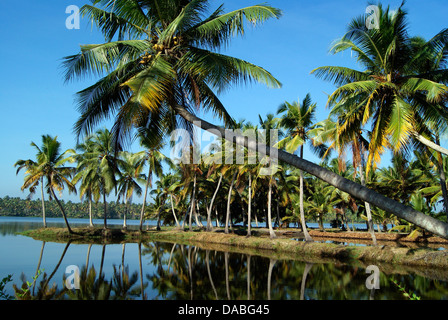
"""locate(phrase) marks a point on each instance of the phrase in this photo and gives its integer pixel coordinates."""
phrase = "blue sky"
(34, 99)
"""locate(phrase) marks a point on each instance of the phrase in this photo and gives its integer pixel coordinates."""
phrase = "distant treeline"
(17, 207)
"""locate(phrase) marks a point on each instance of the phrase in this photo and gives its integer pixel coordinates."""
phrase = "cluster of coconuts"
(158, 48)
(146, 59)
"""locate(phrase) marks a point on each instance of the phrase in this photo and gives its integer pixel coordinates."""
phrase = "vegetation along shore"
(166, 70)
(289, 244)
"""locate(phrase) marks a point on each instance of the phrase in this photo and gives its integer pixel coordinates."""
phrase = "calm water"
(166, 271)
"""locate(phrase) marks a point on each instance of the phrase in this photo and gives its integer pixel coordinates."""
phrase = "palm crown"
(392, 93)
(164, 57)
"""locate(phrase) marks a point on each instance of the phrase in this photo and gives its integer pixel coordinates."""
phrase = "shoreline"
(283, 246)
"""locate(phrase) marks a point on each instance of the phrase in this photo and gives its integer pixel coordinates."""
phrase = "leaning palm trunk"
(210, 208)
(356, 190)
(62, 210)
(430, 144)
(174, 212)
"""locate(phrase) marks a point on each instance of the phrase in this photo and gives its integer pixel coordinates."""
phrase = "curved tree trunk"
(210, 208)
(63, 211)
(356, 190)
(174, 212)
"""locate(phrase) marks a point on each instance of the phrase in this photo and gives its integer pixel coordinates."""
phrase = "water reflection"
(184, 272)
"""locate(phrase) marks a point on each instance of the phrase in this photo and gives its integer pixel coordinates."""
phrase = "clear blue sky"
(34, 99)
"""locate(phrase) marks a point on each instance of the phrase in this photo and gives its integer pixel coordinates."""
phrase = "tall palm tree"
(104, 164)
(30, 166)
(128, 181)
(88, 174)
(297, 119)
(390, 93)
(154, 159)
(50, 166)
(173, 68)
(168, 62)
(340, 138)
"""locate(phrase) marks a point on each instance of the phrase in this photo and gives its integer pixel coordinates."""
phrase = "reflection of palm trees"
(271, 266)
(43, 291)
(183, 272)
(308, 267)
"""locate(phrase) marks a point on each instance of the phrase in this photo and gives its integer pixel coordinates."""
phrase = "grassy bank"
(284, 246)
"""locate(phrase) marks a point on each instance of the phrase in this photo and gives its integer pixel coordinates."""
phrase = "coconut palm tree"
(103, 164)
(169, 65)
(168, 61)
(340, 138)
(297, 119)
(390, 93)
(88, 174)
(50, 167)
(30, 166)
(128, 181)
(154, 159)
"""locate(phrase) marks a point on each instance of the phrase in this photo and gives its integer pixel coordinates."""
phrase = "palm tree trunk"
(431, 144)
(90, 211)
(193, 199)
(271, 231)
(367, 206)
(142, 212)
(249, 207)
(158, 214)
(63, 211)
(174, 212)
(442, 179)
(302, 211)
(105, 210)
(356, 190)
(210, 208)
(43, 203)
(229, 198)
(125, 226)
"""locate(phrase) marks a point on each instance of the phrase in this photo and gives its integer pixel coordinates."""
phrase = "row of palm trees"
(196, 191)
(160, 63)
(96, 167)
